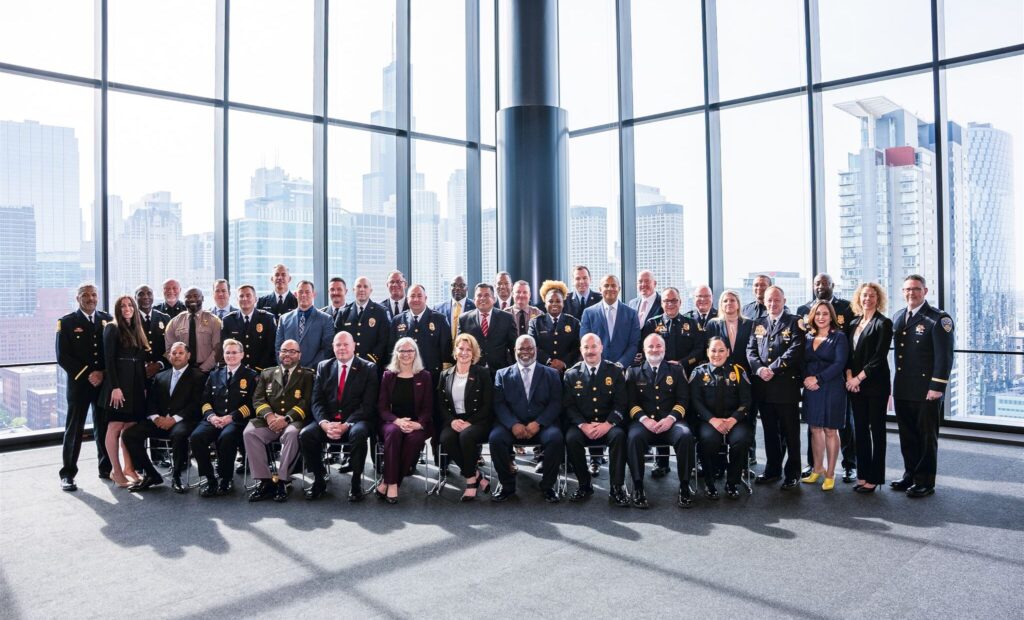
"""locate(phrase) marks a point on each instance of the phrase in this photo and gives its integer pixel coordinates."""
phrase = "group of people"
(580, 372)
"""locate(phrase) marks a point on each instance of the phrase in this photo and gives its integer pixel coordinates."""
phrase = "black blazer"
(496, 349)
(358, 401)
(872, 354)
(270, 304)
(737, 353)
(479, 396)
(574, 308)
(187, 397)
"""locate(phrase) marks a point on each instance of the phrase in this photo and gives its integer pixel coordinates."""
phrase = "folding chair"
(163, 445)
(561, 481)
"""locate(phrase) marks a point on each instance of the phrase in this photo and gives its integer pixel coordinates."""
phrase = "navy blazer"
(511, 404)
(622, 348)
(556, 340)
(575, 308)
(924, 352)
(155, 328)
(259, 342)
(358, 401)
(422, 394)
(269, 303)
(737, 350)
(389, 311)
(782, 351)
(316, 342)
(446, 309)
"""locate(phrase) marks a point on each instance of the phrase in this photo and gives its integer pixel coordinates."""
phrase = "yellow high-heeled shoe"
(811, 479)
(829, 484)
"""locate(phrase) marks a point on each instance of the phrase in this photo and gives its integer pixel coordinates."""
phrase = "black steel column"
(533, 193)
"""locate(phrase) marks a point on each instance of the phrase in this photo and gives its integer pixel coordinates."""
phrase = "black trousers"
(135, 441)
(869, 423)
(638, 439)
(918, 421)
(464, 448)
(576, 443)
(81, 396)
(847, 441)
(550, 439)
(312, 440)
(781, 421)
(227, 440)
(711, 440)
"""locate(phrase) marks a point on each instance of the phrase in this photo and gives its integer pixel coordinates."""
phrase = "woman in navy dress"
(824, 389)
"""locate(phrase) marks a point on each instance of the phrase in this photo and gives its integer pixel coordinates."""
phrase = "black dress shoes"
(765, 479)
(595, 468)
(356, 494)
(640, 499)
(209, 488)
(731, 491)
(263, 490)
(318, 489)
(581, 494)
(710, 490)
(807, 471)
(240, 470)
(68, 484)
(503, 493)
(550, 496)
(660, 471)
(345, 466)
(901, 485)
(146, 482)
(226, 486)
(176, 485)
(790, 483)
(281, 492)
(685, 497)
(849, 475)
(104, 475)
(919, 490)
(618, 497)
(860, 488)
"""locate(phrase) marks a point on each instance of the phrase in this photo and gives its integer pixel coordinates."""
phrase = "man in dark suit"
(703, 306)
(595, 402)
(824, 289)
(345, 410)
(368, 324)
(80, 354)
(756, 309)
(502, 290)
(396, 303)
(615, 323)
(309, 327)
(172, 305)
(227, 406)
(527, 408)
(647, 303)
(456, 305)
(172, 405)
(256, 329)
(222, 300)
(582, 297)
(281, 300)
(494, 330)
(775, 353)
(154, 323)
(923, 337)
(658, 395)
(337, 289)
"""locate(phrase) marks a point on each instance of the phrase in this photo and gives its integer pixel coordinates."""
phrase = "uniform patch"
(243, 384)
(430, 326)
(760, 331)
(686, 327)
(259, 328)
(801, 324)
(104, 323)
(947, 324)
(608, 381)
(371, 322)
(661, 329)
(707, 378)
(568, 329)
(161, 324)
(298, 393)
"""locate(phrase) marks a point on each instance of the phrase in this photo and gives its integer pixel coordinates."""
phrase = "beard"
(655, 360)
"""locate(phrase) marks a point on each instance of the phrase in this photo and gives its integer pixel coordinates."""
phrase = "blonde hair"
(417, 364)
(553, 285)
(879, 292)
(464, 337)
(730, 293)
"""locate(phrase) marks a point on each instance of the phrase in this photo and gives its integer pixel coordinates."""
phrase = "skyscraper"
(17, 261)
(149, 248)
(659, 233)
(588, 239)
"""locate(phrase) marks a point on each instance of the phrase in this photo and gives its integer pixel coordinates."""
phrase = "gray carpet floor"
(104, 552)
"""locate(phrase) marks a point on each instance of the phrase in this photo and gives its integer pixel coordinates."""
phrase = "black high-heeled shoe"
(466, 497)
(377, 493)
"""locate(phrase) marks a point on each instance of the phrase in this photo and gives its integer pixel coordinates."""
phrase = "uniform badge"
(608, 381)
(372, 322)
(920, 328)
(401, 326)
(579, 385)
(430, 326)
(686, 327)
(760, 331)
(243, 384)
(947, 324)
(259, 328)
(568, 329)
(161, 324)
(707, 378)
(668, 380)
(298, 393)
(661, 328)
(840, 319)
(79, 330)
(786, 333)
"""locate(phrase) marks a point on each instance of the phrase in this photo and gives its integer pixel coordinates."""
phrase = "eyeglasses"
(289, 351)
(913, 289)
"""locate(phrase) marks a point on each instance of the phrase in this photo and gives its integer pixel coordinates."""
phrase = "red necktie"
(483, 324)
(341, 384)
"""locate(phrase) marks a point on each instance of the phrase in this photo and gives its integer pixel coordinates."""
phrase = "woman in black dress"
(126, 350)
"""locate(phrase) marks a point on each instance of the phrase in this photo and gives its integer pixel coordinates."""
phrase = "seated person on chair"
(658, 396)
(595, 401)
(527, 404)
(344, 408)
(406, 407)
(172, 407)
(465, 392)
(720, 396)
(227, 406)
(283, 407)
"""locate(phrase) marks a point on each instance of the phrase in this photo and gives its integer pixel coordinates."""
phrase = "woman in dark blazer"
(868, 382)
(405, 403)
(557, 333)
(464, 395)
(123, 395)
(732, 327)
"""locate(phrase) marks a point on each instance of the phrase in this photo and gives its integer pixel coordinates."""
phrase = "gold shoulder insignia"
(58, 324)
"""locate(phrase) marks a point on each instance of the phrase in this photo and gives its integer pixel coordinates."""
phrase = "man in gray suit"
(309, 327)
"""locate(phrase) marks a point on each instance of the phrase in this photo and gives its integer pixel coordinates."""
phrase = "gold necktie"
(455, 320)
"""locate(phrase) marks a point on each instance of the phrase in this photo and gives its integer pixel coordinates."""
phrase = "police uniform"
(271, 304)
(257, 339)
(155, 326)
(522, 325)
(79, 347)
(433, 336)
(370, 329)
(574, 305)
(780, 348)
(291, 398)
(924, 360)
(656, 397)
(169, 310)
(722, 392)
(684, 340)
(702, 319)
(557, 339)
(223, 397)
(598, 396)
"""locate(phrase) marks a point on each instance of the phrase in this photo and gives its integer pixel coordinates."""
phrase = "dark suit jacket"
(433, 336)
(653, 311)
(422, 393)
(575, 308)
(844, 313)
(924, 352)
(702, 323)
(782, 351)
(155, 328)
(737, 352)
(496, 350)
(389, 310)
(170, 311)
(234, 398)
(479, 397)
(871, 354)
(602, 399)
(684, 341)
(187, 397)
(556, 342)
(512, 405)
(258, 341)
(446, 308)
(358, 401)
(270, 304)
(371, 330)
